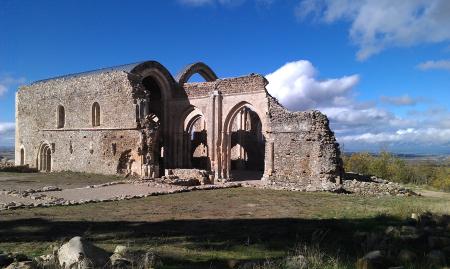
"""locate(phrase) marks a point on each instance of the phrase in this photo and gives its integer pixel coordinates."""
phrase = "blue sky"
(380, 69)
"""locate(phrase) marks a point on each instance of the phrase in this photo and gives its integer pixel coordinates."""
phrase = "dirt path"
(434, 194)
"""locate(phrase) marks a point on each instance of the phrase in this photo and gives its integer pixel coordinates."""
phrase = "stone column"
(214, 121)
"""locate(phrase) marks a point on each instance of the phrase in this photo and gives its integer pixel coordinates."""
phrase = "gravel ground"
(94, 193)
(5, 198)
(109, 192)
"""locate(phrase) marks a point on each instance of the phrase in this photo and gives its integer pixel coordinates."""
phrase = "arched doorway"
(45, 158)
(197, 143)
(244, 144)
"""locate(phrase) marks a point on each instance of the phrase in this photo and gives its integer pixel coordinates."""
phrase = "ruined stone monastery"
(139, 120)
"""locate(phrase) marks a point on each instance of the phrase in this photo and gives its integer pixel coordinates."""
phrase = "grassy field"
(213, 229)
(23, 181)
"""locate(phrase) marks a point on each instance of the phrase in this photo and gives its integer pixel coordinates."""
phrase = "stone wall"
(78, 146)
(304, 149)
(238, 85)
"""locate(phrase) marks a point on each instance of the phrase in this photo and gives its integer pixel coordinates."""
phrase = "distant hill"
(7, 152)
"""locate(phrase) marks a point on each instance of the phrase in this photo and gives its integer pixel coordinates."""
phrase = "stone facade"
(139, 120)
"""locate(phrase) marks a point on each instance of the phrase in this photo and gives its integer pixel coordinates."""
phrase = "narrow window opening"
(61, 117)
(95, 114)
(22, 157)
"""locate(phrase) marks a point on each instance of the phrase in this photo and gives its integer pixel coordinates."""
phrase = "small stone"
(296, 262)
(406, 256)
(372, 260)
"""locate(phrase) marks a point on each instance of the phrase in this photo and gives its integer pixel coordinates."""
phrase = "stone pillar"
(214, 138)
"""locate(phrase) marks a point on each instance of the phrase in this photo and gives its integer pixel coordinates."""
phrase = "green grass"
(211, 229)
(23, 181)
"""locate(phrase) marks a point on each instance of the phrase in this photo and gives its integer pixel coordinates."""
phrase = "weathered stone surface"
(121, 257)
(365, 185)
(47, 261)
(202, 176)
(81, 254)
(22, 265)
(305, 151)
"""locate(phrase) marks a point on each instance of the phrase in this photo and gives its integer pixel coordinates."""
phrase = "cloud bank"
(430, 65)
(359, 125)
(380, 24)
(404, 100)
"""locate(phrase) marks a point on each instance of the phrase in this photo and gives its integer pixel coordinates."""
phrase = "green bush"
(389, 167)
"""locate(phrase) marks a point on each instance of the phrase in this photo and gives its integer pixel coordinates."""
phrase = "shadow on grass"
(240, 239)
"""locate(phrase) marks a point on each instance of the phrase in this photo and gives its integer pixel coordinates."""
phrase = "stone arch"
(157, 71)
(194, 139)
(44, 158)
(196, 68)
(153, 73)
(229, 142)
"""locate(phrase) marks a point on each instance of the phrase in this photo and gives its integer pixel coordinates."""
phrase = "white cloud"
(380, 24)
(440, 64)
(7, 130)
(296, 86)
(427, 136)
(404, 100)
(7, 81)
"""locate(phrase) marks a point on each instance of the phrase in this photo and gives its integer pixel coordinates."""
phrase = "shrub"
(387, 166)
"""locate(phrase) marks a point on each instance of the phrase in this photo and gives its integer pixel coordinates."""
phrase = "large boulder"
(121, 258)
(81, 254)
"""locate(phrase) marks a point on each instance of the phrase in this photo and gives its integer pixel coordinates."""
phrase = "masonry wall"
(305, 152)
(78, 146)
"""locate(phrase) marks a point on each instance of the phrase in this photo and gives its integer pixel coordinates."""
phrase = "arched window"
(95, 114)
(22, 156)
(61, 117)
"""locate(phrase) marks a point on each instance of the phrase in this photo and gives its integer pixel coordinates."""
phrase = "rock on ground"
(79, 253)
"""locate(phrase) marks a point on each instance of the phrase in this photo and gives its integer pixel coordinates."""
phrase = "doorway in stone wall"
(246, 145)
(153, 106)
(198, 145)
(45, 158)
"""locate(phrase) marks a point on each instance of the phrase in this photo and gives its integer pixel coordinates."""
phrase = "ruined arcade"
(139, 120)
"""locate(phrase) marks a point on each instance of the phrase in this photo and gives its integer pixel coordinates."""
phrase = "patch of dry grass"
(23, 181)
(213, 228)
